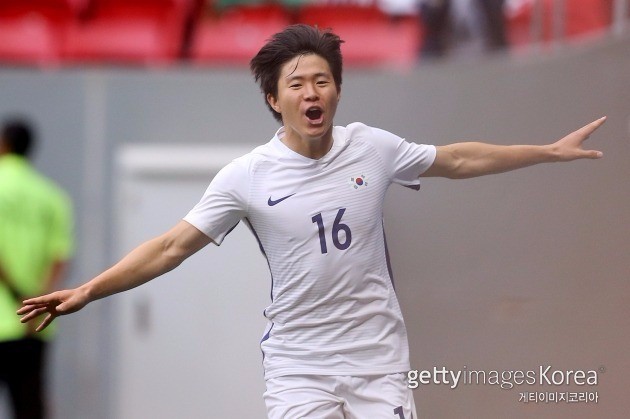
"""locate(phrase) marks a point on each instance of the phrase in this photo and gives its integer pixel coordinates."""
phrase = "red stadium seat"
(31, 31)
(518, 24)
(333, 14)
(583, 17)
(29, 40)
(236, 36)
(178, 9)
(50, 9)
(370, 37)
(130, 31)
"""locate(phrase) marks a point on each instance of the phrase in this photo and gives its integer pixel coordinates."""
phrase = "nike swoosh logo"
(272, 202)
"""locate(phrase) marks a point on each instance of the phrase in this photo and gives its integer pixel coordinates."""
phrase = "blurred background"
(211, 33)
(137, 104)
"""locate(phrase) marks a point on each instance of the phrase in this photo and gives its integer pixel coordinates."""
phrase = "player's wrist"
(87, 292)
(551, 153)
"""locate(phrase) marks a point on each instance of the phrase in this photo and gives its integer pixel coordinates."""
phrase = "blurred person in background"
(35, 245)
(463, 26)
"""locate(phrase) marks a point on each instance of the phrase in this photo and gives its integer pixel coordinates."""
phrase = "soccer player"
(336, 344)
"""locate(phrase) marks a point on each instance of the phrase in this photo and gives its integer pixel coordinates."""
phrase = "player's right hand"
(55, 304)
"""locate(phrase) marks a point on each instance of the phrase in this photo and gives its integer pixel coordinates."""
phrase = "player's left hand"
(570, 147)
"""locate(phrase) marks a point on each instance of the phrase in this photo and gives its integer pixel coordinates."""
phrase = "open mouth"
(314, 114)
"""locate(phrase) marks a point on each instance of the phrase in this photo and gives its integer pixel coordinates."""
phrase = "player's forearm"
(477, 159)
(148, 261)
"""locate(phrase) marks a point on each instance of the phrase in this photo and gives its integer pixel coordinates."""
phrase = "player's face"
(307, 99)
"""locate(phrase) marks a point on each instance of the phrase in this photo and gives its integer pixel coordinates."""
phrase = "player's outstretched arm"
(149, 260)
(471, 159)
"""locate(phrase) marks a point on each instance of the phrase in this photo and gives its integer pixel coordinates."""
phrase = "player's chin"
(317, 132)
(319, 124)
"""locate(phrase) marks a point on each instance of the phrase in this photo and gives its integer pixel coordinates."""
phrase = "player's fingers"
(586, 130)
(30, 307)
(39, 301)
(27, 309)
(593, 154)
(24, 309)
(32, 314)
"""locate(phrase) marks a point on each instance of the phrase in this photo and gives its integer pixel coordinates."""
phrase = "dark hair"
(17, 135)
(293, 41)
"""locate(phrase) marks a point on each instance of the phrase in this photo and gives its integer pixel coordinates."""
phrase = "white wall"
(189, 342)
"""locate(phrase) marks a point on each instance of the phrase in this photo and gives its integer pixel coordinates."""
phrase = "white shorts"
(340, 397)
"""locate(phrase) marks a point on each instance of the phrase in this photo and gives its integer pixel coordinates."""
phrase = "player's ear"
(273, 102)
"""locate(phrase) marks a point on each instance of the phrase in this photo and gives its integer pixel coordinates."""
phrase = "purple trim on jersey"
(267, 335)
(414, 187)
(260, 246)
(264, 339)
(389, 264)
(230, 230)
(262, 250)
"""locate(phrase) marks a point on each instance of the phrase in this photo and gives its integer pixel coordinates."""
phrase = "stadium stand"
(234, 37)
(32, 31)
(130, 31)
(370, 36)
(581, 18)
(161, 32)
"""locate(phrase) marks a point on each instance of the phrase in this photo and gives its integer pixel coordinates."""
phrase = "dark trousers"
(436, 20)
(21, 370)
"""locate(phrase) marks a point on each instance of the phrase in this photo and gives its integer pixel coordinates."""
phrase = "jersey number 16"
(338, 227)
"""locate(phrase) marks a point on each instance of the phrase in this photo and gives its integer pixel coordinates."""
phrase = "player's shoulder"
(248, 162)
(357, 130)
(360, 132)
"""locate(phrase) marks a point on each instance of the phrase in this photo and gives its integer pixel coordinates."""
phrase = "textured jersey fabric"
(319, 224)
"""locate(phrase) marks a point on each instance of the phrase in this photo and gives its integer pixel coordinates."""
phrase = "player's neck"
(311, 147)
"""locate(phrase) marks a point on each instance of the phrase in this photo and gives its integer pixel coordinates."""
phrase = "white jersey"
(319, 223)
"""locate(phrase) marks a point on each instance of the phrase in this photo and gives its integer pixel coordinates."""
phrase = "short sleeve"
(223, 204)
(405, 160)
